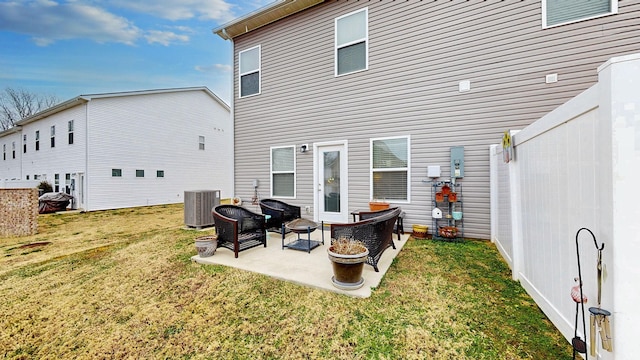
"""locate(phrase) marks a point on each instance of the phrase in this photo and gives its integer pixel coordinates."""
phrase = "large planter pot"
(378, 205)
(206, 245)
(347, 269)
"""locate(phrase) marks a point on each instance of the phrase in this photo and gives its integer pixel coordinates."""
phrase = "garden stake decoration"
(598, 316)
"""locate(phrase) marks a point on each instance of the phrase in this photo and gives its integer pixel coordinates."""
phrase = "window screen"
(249, 71)
(351, 42)
(283, 171)
(390, 168)
(563, 11)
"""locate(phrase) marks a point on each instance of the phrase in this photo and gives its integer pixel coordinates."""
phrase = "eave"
(263, 16)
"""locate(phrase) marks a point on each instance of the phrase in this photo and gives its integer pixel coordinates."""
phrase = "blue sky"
(71, 47)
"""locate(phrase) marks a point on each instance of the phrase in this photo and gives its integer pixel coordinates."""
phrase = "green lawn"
(120, 284)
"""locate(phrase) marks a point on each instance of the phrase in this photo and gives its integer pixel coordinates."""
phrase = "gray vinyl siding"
(418, 52)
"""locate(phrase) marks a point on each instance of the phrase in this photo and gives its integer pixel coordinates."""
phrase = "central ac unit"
(198, 205)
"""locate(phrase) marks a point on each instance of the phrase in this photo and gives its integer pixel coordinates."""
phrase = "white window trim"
(366, 43)
(408, 168)
(614, 10)
(249, 72)
(295, 173)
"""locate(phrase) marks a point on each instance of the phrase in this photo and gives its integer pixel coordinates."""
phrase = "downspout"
(86, 157)
(233, 118)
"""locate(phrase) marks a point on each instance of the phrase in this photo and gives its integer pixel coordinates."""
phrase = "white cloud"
(218, 10)
(214, 68)
(47, 21)
(164, 37)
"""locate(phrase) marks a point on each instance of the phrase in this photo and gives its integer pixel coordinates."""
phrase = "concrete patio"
(309, 269)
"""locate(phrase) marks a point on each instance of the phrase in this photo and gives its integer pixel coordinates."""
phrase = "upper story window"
(351, 42)
(249, 71)
(70, 129)
(4, 151)
(201, 142)
(390, 168)
(116, 172)
(160, 173)
(37, 140)
(53, 136)
(558, 12)
(139, 173)
(283, 171)
(13, 149)
(24, 143)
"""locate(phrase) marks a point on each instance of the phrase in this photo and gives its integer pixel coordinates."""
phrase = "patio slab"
(308, 269)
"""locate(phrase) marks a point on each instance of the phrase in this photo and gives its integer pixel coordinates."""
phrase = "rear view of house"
(125, 149)
(337, 103)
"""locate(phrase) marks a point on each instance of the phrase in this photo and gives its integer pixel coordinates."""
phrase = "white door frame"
(318, 183)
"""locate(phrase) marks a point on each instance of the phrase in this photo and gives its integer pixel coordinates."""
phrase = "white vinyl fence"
(578, 166)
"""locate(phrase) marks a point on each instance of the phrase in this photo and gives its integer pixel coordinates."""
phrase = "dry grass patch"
(135, 293)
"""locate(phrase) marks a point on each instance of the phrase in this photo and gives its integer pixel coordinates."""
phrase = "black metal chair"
(376, 233)
(239, 229)
(280, 213)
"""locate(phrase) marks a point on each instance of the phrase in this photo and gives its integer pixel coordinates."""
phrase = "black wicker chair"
(376, 233)
(239, 229)
(280, 212)
(399, 226)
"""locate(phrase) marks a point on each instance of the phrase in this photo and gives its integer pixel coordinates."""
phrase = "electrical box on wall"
(457, 161)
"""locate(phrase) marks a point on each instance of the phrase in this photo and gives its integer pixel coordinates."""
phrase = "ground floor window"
(283, 174)
(390, 169)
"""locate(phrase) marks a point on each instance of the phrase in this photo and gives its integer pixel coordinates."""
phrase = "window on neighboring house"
(56, 183)
(24, 143)
(249, 71)
(53, 136)
(37, 140)
(558, 12)
(4, 151)
(390, 168)
(70, 126)
(201, 142)
(27, 177)
(283, 174)
(13, 149)
(351, 42)
(139, 173)
(116, 172)
(67, 183)
(160, 173)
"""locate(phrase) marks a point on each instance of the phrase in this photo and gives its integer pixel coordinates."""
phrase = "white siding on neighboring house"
(10, 168)
(61, 159)
(419, 52)
(157, 132)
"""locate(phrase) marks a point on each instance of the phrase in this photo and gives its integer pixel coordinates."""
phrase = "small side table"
(301, 226)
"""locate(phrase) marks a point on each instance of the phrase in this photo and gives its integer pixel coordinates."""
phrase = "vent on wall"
(198, 206)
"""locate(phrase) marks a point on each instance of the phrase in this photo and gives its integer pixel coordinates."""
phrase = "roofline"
(53, 110)
(83, 99)
(157, 91)
(273, 12)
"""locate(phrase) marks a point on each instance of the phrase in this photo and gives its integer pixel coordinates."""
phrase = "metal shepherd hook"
(597, 314)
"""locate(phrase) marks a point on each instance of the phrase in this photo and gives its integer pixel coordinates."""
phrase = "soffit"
(263, 16)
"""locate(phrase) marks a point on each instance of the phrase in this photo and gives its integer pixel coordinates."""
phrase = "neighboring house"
(379, 90)
(125, 149)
